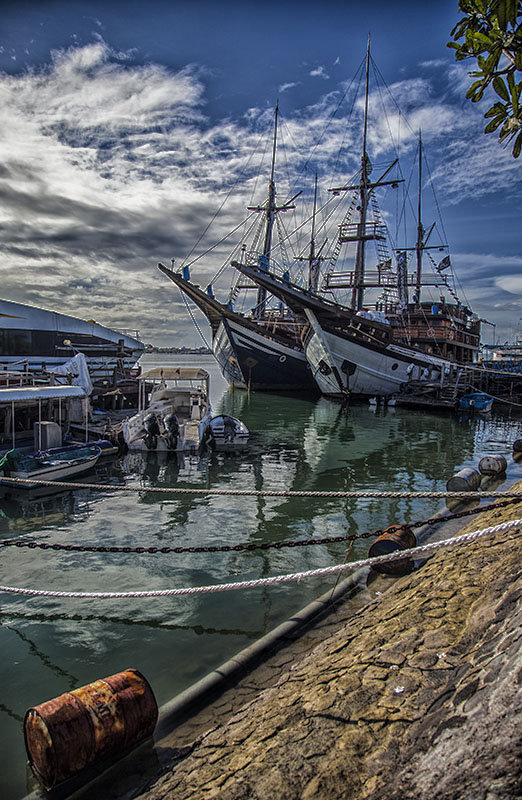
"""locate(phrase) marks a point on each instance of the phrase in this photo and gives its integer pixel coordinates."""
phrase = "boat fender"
(392, 539)
(517, 446)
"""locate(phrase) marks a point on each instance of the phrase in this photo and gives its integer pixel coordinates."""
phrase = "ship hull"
(249, 356)
(251, 360)
(342, 366)
(348, 354)
(43, 339)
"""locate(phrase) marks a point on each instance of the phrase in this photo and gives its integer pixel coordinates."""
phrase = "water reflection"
(296, 444)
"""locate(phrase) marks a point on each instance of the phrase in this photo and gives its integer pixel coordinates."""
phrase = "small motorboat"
(56, 464)
(106, 446)
(476, 401)
(227, 433)
(175, 414)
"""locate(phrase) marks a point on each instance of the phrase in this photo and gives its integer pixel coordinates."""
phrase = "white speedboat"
(174, 412)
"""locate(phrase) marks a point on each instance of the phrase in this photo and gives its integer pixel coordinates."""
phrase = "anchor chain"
(139, 550)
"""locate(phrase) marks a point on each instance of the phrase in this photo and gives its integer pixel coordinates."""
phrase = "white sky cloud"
(286, 86)
(319, 72)
(107, 168)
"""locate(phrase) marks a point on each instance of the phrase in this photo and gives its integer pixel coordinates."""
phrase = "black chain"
(81, 548)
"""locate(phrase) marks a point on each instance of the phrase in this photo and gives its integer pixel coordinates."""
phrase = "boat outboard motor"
(172, 433)
(229, 425)
(151, 425)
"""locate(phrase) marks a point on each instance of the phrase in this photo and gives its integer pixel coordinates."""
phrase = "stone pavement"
(416, 694)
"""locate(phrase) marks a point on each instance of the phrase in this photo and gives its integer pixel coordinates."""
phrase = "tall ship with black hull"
(262, 354)
(356, 350)
(262, 351)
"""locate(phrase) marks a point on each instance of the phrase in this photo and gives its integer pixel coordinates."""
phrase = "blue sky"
(126, 126)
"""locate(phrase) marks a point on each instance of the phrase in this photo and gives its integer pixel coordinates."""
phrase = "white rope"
(296, 576)
(257, 493)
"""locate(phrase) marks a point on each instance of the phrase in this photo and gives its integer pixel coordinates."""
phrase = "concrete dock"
(409, 689)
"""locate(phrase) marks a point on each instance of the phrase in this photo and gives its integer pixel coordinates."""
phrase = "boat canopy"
(174, 374)
(15, 394)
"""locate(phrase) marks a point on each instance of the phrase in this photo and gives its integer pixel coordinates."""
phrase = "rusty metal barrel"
(392, 539)
(467, 480)
(492, 465)
(99, 721)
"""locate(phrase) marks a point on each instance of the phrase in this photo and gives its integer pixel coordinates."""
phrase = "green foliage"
(491, 31)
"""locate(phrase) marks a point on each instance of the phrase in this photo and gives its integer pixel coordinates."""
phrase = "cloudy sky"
(134, 132)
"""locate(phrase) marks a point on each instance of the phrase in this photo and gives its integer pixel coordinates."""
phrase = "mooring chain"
(398, 555)
(226, 548)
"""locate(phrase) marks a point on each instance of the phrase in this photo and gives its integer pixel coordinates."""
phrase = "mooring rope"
(400, 555)
(259, 492)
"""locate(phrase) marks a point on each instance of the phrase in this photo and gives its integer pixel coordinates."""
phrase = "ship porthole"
(282, 359)
(395, 366)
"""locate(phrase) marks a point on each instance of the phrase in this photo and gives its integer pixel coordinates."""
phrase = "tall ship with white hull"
(353, 355)
(362, 351)
(43, 339)
(262, 351)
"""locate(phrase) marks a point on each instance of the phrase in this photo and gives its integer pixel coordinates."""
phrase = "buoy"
(467, 480)
(492, 465)
(101, 720)
(517, 446)
(389, 541)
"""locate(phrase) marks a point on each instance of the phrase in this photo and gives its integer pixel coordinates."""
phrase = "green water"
(50, 646)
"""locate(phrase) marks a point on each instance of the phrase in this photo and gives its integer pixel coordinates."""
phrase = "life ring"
(430, 332)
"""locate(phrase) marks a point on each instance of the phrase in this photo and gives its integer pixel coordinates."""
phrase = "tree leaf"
(502, 14)
(493, 125)
(498, 108)
(501, 88)
(517, 147)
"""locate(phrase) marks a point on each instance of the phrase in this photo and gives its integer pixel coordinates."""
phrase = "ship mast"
(358, 287)
(362, 231)
(420, 230)
(313, 262)
(270, 209)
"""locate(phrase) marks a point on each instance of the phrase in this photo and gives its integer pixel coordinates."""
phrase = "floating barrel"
(77, 729)
(492, 465)
(517, 446)
(392, 539)
(467, 480)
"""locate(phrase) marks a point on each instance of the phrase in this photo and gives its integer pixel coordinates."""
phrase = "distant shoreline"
(202, 351)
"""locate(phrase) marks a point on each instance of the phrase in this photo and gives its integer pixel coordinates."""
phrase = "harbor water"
(52, 645)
